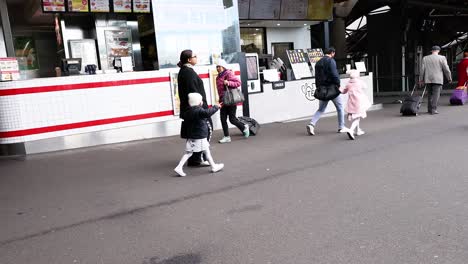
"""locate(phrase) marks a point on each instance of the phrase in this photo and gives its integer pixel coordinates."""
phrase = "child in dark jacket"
(196, 123)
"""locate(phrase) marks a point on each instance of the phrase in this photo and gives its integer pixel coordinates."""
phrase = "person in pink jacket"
(227, 80)
(358, 103)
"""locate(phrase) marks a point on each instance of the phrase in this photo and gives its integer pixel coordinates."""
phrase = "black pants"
(230, 111)
(196, 158)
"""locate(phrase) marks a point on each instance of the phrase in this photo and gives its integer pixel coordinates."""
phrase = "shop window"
(253, 40)
(208, 27)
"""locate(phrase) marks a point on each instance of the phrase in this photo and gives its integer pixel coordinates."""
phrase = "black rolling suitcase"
(412, 103)
(254, 126)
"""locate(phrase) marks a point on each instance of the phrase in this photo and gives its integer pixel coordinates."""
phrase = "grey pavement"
(395, 195)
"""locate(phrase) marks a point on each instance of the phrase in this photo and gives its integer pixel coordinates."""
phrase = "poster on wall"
(299, 63)
(295, 9)
(122, 6)
(175, 93)
(78, 6)
(100, 6)
(214, 87)
(141, 6)
(53, 5)
(9, 69)
(118, 44)
(25, 51)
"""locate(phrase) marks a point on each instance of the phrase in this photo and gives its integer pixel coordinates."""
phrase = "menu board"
(78, 6)
(264, 9)
(53, 5)
(122, 6)
(315, 55)
(294, 9)
(141, 6)
(100, 6)
(286, 9)
(299, 63)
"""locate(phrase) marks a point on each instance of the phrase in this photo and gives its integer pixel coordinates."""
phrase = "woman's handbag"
(232, 96)
(327, 92)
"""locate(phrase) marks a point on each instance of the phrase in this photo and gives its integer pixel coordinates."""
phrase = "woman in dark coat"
(189, 82)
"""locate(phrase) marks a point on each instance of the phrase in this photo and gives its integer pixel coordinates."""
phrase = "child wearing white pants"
(357, 105)
(197, 130)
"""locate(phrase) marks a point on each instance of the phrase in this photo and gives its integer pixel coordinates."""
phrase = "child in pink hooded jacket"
(358, 103)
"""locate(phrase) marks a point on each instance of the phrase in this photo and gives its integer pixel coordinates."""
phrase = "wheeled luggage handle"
(414, 88)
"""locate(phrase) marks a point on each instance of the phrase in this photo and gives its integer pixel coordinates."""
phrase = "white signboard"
(84, 49)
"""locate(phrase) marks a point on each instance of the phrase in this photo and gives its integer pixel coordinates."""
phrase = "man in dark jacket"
(326, 74)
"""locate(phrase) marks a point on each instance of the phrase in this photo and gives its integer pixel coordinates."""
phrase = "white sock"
(209, 157)
(355, 124)
(184, 159)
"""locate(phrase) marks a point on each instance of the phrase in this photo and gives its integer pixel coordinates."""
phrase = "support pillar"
(338, 40)
(7, 35)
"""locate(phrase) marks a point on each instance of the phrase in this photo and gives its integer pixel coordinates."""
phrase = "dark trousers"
(196, 157)
(230, 111)
(433, 96)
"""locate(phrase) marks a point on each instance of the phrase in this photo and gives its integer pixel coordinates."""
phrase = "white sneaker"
(360, 132)
(343, 130)
(204, 163)
(351, 135)
(246, 131)
(217, 167)
(311, 130)
(225, 140)
(180, 172)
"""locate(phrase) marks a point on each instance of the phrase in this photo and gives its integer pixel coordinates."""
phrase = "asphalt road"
(398, 194)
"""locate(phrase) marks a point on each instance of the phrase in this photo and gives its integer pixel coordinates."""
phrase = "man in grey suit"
(433, 69)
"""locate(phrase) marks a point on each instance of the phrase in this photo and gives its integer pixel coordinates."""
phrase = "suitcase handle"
(414, 89)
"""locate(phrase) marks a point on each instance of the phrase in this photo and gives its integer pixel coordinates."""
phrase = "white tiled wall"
(37, 110)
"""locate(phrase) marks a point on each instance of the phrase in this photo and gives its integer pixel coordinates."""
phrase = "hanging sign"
(100, 6)
(78, 6)
(53, 5)
(141, 6)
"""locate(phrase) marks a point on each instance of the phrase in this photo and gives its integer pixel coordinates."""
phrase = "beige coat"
(433, 69)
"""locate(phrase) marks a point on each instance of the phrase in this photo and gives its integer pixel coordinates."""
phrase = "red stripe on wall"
(41, 130)
(78, 86)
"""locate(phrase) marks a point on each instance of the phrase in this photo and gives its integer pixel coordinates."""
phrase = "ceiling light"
(257, 29)
(248, 24)
(278, 24)
(305, 24)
